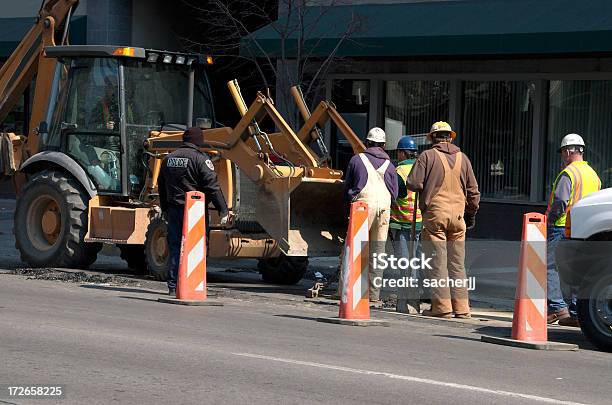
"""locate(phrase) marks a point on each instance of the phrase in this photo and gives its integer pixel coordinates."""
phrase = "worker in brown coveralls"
(449, 199)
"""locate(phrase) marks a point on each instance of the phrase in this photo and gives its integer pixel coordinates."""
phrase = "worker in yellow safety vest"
(576, 180)
(402, 215)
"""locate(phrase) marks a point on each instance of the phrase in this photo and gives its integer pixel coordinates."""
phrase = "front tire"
(156, 251)
(595, 313)
(51, 222)
(285, 270)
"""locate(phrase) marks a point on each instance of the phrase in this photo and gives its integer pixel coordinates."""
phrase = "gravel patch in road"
(72, 277)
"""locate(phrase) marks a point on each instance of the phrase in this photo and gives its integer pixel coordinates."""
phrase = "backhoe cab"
(111, 99)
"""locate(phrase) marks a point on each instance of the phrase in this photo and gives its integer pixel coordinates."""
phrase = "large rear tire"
(285, 270)
(595, 313)
(156, 252)
(51, 222)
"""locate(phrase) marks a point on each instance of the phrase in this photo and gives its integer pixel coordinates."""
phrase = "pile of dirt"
(71, 277)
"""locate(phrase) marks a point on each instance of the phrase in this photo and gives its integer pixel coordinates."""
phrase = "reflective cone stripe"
(529, 319)
(191, 283)
(355, 266)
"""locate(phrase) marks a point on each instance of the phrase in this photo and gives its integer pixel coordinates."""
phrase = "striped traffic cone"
(354, 302)
(529, 320)
(191, 282)
(529, 329)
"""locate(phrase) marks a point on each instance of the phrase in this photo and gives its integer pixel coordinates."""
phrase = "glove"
(470, 221)
(225, 219)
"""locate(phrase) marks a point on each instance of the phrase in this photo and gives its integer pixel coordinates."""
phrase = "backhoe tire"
(156, 252)
(283, 270)
(51, 222)
(595, 312)
(135, 257)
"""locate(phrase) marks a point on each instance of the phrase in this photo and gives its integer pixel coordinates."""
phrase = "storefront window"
(497, 136)
(412, 106)
(583, 107)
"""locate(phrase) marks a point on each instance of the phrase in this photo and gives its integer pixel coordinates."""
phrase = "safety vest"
(402, 209)
(584, 182)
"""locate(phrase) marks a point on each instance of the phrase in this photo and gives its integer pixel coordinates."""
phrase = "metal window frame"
(540, 118)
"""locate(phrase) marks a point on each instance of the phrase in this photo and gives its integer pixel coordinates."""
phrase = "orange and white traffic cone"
(191, 280)
(354, 302)
(529, 320)
(529, 329)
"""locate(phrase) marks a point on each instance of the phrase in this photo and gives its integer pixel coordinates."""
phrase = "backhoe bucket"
(306, 216)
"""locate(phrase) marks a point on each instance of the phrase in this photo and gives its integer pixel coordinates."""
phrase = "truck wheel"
(134, 256)
(284, 270)
(51, 223)
(595, 313)
(156, 252)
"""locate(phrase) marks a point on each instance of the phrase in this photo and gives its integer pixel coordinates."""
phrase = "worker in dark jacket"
(186, 169)
(371, 178)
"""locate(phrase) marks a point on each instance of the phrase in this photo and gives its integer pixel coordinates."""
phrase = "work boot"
(557, 316)
(408, 307)
(463, 316)
(571, 321)
(378, 304)
(172, 292)
(428, 312)
(414, 307)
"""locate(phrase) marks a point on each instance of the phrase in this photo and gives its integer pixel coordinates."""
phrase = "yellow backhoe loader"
(104, 117)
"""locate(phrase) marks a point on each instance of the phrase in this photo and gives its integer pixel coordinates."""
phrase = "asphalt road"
(116, 344)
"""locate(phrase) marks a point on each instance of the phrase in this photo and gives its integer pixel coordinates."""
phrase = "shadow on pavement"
(555, 334)
(305, 318)
(123, 289)
(139, 298)
(458, 337)
(299, 291)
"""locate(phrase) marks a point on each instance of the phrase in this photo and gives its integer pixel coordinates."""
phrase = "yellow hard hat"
(441, 126)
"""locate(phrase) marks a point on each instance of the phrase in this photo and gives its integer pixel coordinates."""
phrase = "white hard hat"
(571, 140)
(376, 135)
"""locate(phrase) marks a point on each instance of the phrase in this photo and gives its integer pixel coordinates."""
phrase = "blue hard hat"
(407, 143)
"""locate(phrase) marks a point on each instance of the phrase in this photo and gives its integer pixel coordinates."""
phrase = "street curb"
(354, 322)
(191, 303)
(550, 346)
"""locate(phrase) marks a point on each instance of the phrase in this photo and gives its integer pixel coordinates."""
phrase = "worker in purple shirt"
(372, 178)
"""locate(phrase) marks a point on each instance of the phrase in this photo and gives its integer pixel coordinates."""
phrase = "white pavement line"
(409, 378)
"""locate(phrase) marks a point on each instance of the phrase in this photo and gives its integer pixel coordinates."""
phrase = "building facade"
(121, 22)
(512, 77)
(96, 22)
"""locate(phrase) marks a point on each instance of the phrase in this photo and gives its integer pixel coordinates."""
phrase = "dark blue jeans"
(175, 236)
(400, 238)
(556, 301)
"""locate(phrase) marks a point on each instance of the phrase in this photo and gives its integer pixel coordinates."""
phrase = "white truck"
(585, 263)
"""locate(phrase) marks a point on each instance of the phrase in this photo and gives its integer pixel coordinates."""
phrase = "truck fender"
(46, 159)
(592, 214)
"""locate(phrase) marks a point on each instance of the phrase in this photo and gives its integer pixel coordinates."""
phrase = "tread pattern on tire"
(587, 326)
(73, 252)
(156, 273)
